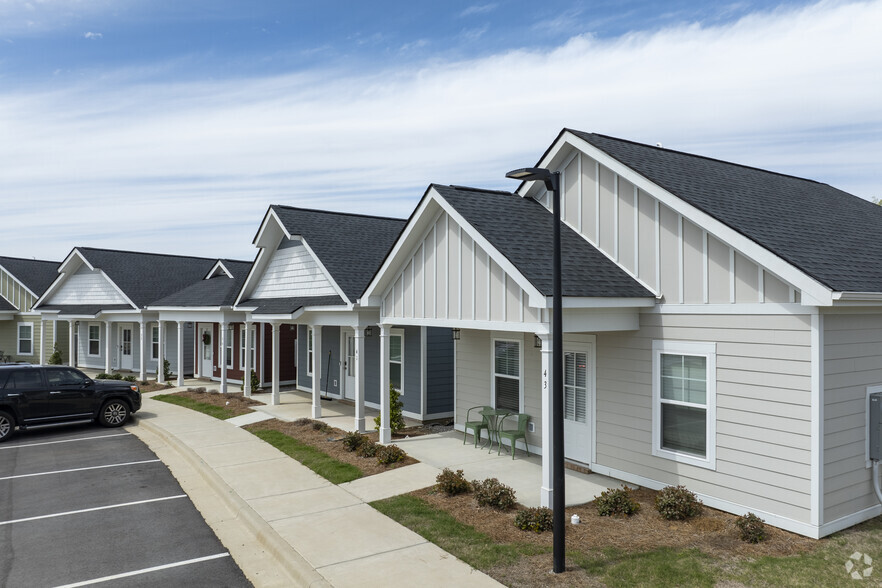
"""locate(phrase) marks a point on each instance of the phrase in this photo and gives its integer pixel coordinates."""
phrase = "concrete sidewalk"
(287, 526)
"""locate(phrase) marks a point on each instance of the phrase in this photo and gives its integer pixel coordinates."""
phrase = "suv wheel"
(114, 413)
(7, 425)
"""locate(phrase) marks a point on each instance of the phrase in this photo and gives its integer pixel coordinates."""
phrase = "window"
(25, 338)
(25, 380)
(309, 351)
(684, 402)
(229, 347)
(154, 343)
(64, 377)
(507, 375)
(396, 359)
(94, 340)
(242, 347)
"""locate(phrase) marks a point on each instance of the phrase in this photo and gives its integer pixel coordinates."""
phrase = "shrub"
(493, 493)
(255, 381)
(115, 377)
(396, 417)
(389, 454)
(101, 376)
(752, 528)
(55, 358)
(130, 378)
(367, 449)
(303, 422)
(320, 426)
(166, 370)
(676, 503)
(537, 519)
(352, 441)
(616, 501)
(452, 483)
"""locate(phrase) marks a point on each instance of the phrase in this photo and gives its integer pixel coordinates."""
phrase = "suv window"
(24, 380)
(3, 374)
(64, 377)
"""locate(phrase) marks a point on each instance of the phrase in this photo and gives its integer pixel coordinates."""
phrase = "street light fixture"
(552, 184)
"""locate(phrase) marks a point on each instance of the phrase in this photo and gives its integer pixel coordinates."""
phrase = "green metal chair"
(514, 434)
(475, 426)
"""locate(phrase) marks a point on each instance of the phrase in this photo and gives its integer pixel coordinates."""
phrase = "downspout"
(876, 480)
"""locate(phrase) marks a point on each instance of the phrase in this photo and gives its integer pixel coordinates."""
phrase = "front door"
(578, 391)
(349, 366)
(206, 365)
(126, 361)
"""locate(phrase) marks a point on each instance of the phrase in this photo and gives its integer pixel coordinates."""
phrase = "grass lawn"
(321, 463)
(218, 412)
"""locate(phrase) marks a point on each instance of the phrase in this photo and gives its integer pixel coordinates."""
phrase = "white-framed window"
(684, 402)
(396, 359)
(154, 342)
(94, 340)
(242, 348)
(308, 351)
(507, 374)
(228, 352)
(25, 339)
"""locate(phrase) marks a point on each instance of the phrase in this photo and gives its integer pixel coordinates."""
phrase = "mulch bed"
(233, 401)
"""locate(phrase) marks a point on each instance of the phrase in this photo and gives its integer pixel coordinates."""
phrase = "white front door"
(578, 392)
(349, 366)
(206, 366)
(126, 361)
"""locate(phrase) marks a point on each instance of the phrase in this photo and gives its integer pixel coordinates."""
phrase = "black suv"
(35, 396)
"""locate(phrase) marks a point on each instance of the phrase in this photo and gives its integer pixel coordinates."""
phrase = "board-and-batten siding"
(451, 277)
(15, 293)
(657, 245)
(852, 362)
(763, 424)
(86, 286)
(293, 272)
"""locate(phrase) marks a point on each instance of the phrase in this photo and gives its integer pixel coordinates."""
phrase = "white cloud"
(93, 36)
(34, 17)
(478, 9)
(191, 167)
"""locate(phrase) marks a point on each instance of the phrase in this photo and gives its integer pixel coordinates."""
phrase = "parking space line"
(145, 570)
(65, 441)
(73, 512)
(112, 465)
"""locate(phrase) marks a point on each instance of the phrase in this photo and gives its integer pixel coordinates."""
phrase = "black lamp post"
(552, 183)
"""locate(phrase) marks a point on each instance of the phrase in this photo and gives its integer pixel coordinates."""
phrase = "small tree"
(255, 381)
(55, 358)
(396, 418)
(166, 370)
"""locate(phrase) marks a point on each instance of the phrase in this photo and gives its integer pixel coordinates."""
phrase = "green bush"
(396, 417)
(55, 358)
(320, 426)
(493, 493)
(130, 379)
(115, 377)
(676, 503)
(389, 454)
(752, 528)
(101, 376)
(166, 370)
(255, 381)
(616, 501)
(352, 441)
(537, 519)
(367, 449)
(452, 483)
(303, 422)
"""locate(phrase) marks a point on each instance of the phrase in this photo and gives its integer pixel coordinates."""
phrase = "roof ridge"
(472, 189)
(27, 259)
(215, 259)
(372, 216)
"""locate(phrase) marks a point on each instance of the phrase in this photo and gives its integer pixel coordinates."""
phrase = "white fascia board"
(249, 283)
(196, 309)
(63, 273)
(814, 289)
(325, 272)
(6, 315)
(466, 324)
(753, 308)
(857, 297)
(590, 302)
(19, 282)
(219, 265)
(117, 288)
(270, 214)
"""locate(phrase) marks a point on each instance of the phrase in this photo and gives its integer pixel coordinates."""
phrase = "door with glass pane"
(206, 364)
(349, 367)
(126, 359)
(578, 392)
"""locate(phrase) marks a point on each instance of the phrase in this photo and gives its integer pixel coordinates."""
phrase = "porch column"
(547, 488)
(142, 357)
(359, 380)
(246, 377)
(180, 354)
(42, 341)
(316, 372)
(262, 363)
(222, 352)
(160, 359)
(385, 430)
(276, 397)
(107, 334)
(71, 348)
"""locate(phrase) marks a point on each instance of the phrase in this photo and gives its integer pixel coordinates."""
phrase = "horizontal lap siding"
(852, 362)
(763, 408)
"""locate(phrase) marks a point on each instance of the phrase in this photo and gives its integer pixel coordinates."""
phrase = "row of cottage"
(723, 324)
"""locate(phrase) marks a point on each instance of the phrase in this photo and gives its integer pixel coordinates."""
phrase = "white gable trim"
(248, 286)
(65, 274)
(325, 272)
(814, 291)
(217, 269)
(19, 282)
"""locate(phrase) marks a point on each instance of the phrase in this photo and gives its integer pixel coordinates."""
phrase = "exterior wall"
(449, 276)
(413, 370)
(9, 338)
(439, 371)
(763, 414)
(292, 272)
(330, 383)
(304, 379)
(852, 362)
(372, 369)
(86, 287)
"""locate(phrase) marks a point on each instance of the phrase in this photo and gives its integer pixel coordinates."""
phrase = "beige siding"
(718, 271)
(693, 264)
(9, 338)
(292, 271)
(607, 196)
(589, 198)
(454, 270)
(647, 240)
(625, 233)
(774, 290)
(669, 252)
(852, 362)
(746, 280)
(763, 415)
(571, 192)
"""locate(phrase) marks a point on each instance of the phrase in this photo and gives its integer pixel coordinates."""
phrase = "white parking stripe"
(65, 441)
(112, 465)
(73, 512)
(145, 571)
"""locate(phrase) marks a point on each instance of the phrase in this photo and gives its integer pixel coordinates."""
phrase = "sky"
(171, 126)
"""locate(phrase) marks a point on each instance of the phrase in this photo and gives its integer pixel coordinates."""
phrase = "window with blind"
(154, 342)
(576, 386)
(683, 401)
(507, 375)
(25, 338)
(309, 351)
(229, 347)
(396, 360)
(94, 340)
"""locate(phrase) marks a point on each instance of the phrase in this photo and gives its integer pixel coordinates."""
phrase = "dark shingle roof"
(217, 291)
(36, 274)
(288, 305)
(5, 306)
(350, 246)
(84, 309)
(826, 233)
(522, 230)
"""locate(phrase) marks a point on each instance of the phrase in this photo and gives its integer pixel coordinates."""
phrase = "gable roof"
(826, 233)
(522, 230)
(217, 291)
(350, 246)
(35, 274)
(6, 306)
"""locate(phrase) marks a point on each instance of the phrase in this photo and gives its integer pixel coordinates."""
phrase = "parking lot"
(82, 505)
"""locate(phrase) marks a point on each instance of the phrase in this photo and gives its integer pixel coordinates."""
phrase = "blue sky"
(171, 126)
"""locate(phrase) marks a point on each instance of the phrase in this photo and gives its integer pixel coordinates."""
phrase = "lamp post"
(552, 183)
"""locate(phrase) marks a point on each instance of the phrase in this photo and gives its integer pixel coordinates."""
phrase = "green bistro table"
(494, 417)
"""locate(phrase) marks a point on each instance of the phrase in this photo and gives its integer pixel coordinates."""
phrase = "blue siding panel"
(413, 378)
(330, 359)
(303, 378)
(439, 370)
